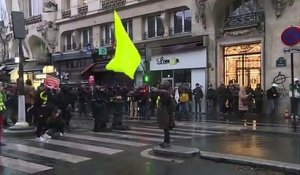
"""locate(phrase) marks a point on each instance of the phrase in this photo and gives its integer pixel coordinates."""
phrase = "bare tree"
(3, 32)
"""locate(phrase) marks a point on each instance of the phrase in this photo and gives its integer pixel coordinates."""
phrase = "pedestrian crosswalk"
(75, 148)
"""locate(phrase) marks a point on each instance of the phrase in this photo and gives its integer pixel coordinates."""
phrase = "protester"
(165, 111)
(2, 109)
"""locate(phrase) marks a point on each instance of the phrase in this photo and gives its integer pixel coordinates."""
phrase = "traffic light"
(146, 79)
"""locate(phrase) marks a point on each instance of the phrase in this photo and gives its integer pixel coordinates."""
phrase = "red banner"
(51, 82)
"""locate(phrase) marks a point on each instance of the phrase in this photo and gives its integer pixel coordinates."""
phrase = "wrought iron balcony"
(33, 19)
(154, 34)
(69, 47)
(66, 13)
(244, 21)
(107, 41)
(180, 30)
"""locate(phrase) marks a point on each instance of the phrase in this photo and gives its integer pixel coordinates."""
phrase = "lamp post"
(21, 128)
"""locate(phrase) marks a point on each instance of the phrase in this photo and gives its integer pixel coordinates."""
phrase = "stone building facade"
(207, 41)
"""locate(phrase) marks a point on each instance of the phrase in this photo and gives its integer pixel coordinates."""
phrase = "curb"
(176, 151)
(244, 160)
(283, 133)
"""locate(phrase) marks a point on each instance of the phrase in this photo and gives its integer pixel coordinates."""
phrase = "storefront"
(185, 68)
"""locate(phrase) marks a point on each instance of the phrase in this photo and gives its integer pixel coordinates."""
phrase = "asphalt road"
(119, 152)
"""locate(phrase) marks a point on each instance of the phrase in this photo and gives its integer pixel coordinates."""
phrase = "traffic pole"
(293, 99)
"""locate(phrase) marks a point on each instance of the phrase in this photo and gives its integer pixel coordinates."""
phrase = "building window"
(128, 27)
(82, 2)
(86, 36)
(35, 7)
(108, 34)
(67, 4)
(155, 26)
(241, 7)
(182, 21)
(69, 42)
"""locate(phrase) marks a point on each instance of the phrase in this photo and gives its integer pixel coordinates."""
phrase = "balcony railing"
(69, 47)
(66, 13)
(83, 10)
(180, 30)
(244, 21)
(112, 4)
(154, 34)
(33, 20)
(107, 41)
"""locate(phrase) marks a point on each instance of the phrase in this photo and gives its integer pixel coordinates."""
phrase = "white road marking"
(47, 153)
(21, 165)
(155, 134)
(128, 136)
(146, 154)
(192, 130)
(172, 132)
(106, 140)
(97, 149)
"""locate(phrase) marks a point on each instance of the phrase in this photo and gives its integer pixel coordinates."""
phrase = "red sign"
(291, 36)
(51, 82)
(91, 80)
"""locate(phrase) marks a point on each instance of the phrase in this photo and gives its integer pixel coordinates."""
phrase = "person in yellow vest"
(2, 109)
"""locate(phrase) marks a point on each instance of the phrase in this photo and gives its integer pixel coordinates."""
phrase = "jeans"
(166, 136)
(198, 104)
(272, 103)
(184, 110)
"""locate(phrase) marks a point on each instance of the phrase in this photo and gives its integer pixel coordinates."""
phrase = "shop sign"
(40, 76)
(281, 62)
(48, 69)
(171, 61)
(102, 51)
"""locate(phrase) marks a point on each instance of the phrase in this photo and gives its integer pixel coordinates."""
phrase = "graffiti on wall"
(280, 79)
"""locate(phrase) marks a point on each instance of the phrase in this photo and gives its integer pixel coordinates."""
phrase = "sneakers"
(41, 139)
(46, 136)
(62, 134)
(164, 145)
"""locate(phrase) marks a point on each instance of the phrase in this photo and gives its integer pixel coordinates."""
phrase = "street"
(129, 152)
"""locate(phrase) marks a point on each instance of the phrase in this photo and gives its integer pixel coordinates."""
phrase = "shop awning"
(95, 67)
(2, 67)
(32, 66)
(99, 67)
(87, 68)
(66, 56)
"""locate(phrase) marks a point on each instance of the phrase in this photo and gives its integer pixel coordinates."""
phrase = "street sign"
(290, 50)
(88, 48)
(291, 36)
(281, 62)
(102, 51)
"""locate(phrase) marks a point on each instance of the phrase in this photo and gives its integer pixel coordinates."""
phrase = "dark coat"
(100, 107)
(165, 110)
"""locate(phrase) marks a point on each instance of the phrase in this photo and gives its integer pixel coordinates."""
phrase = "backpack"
(184, 97)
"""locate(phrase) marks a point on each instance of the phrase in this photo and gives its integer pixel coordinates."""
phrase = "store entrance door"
(170, 80)
(243, 64)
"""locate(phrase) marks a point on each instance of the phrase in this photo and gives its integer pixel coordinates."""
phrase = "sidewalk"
(207, 122)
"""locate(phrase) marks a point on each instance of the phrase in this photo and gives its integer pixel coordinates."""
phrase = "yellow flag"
(127, 57)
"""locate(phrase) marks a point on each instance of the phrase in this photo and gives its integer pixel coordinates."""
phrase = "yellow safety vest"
(2, 105)
(157, 101)
(44, 98)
